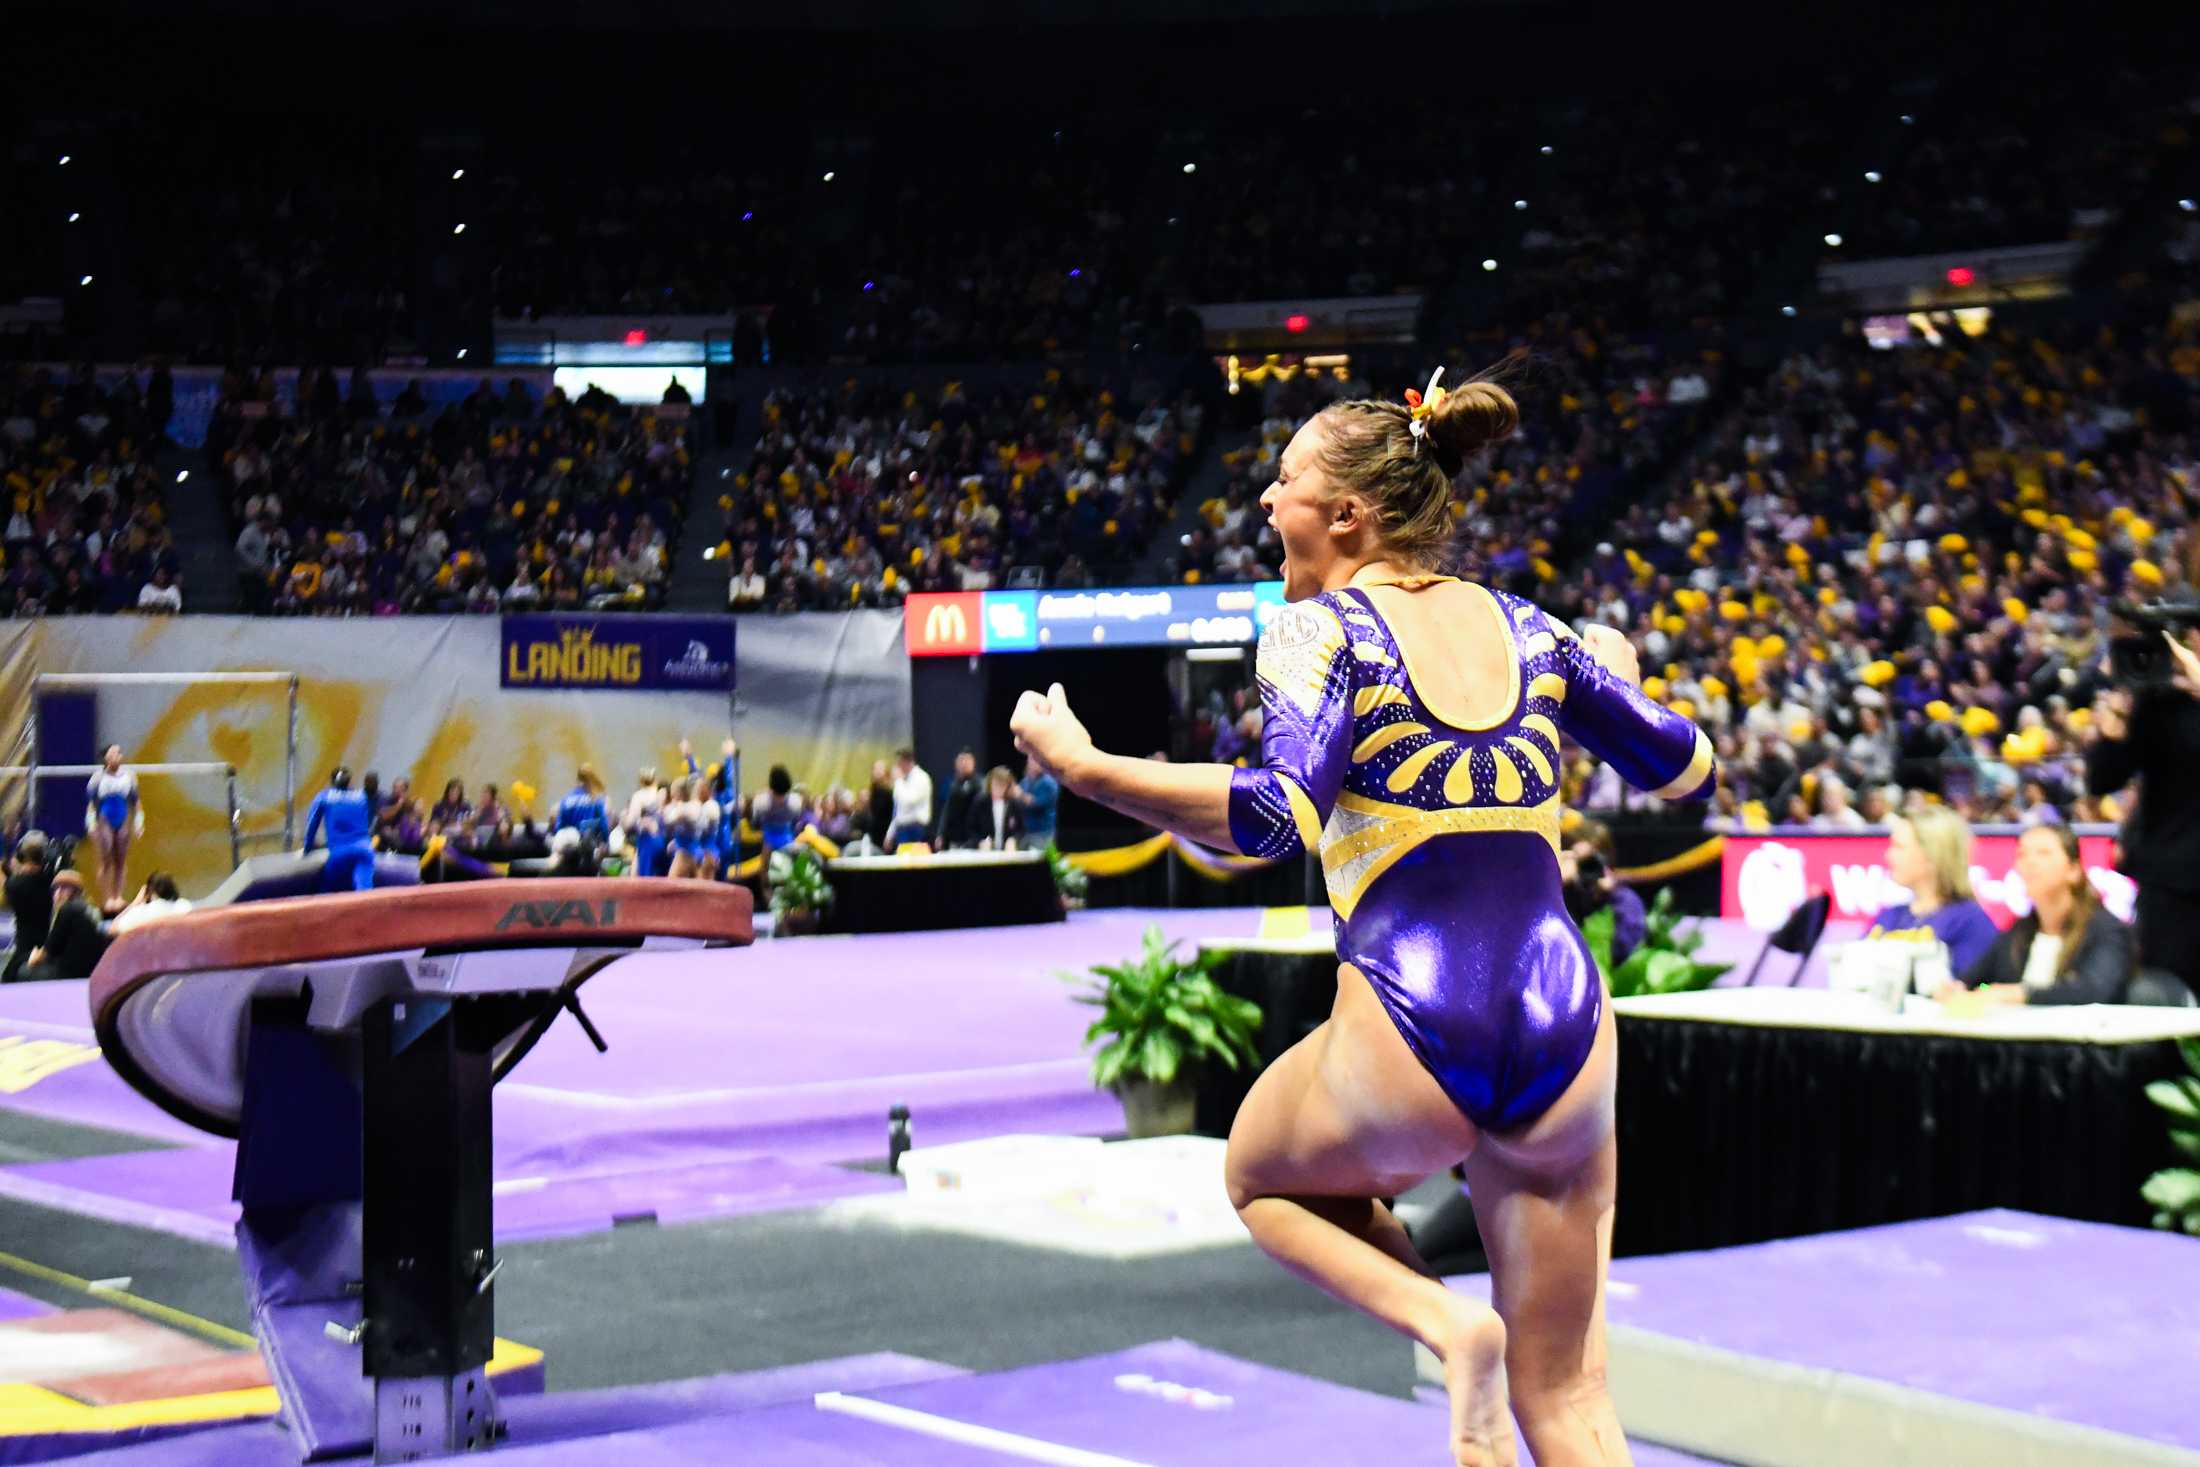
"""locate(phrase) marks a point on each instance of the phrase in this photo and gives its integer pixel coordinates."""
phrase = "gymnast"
(644, 822)
(347, 817)
(113, 817)
(582, 808)
(1412, 738)
(691, 820)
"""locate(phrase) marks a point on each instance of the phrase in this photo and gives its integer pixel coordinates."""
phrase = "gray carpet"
(648, 1303)
(28, 1138)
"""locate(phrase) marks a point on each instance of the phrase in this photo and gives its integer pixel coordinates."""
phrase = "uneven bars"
(67, 769)
(95, 679)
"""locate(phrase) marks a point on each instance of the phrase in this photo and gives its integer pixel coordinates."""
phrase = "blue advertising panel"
(1189, 616)
(1011, 621)
(644, 654)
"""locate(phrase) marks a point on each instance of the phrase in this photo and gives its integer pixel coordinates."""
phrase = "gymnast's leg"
(1544, 1198)
(1349, 1115)
(112, 845)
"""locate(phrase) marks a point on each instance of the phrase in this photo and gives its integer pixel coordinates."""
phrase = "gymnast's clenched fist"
(1047, 731)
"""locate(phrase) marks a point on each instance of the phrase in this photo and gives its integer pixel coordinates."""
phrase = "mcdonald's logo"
(943, 625)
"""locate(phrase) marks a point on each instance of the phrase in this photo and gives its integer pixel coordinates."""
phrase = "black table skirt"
(925, 896)
(1295, 992)
(1738, 1133)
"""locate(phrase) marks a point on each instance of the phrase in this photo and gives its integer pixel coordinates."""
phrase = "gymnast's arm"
(1651, 746)
(314, 816)
(1192, 800)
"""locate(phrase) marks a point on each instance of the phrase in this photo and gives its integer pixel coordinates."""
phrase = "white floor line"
(603, 1100)
(946, 1428)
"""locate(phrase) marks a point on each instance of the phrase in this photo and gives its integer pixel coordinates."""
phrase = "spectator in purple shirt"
(1929, 854)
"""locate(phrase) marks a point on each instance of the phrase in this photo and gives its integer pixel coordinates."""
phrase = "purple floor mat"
(1146, 1405)
(567, 1415)
(582, 1426)
(2078, 1322)
(1164, 1405)
(22, 1306)
(733, 1081)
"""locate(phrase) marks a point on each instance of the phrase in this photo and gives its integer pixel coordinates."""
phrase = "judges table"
(938, 890)
(1747, 1114)
(1750, 1113)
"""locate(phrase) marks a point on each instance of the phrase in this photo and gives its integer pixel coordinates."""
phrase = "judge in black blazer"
(2070, 949)
(996, 816)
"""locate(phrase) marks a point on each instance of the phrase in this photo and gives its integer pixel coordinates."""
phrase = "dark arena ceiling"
(899, 57)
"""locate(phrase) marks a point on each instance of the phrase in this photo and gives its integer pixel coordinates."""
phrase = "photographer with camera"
(30, 900)
(2147, 727)
(1585, 866)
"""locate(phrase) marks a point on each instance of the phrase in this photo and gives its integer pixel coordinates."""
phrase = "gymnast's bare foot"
(1473, 1352)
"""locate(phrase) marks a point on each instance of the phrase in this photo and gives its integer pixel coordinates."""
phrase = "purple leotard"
(1439, 840)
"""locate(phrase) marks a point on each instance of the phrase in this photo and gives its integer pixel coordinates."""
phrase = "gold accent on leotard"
(1509, 786)
(1537, 645)
(1459, 782)
(1520, 748)
(1548, 685)
(1409, 583)
(1369, 652)
(1383, 738)
(1408, 773)
(1303, 814)
(1699, 765)
(1537, 723)
(1377, 695)
(1366, 837)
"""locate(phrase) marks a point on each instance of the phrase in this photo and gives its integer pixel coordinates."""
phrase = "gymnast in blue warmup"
(1412, 737)
(348, 817)
(582, 808)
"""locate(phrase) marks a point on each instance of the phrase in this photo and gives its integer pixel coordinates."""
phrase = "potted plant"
(800, 892)
(1162, 1017)
(1665, 962)
(1070, 881)
(2174, 1192)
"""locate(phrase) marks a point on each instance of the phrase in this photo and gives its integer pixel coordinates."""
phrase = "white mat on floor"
(1072, 1194)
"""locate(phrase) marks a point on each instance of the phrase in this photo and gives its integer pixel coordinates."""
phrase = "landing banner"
(631, 654)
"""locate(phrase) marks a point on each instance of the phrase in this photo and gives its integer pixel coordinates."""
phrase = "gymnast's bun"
(1469, 419)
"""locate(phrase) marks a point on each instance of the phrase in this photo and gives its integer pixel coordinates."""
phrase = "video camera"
(2142, 659)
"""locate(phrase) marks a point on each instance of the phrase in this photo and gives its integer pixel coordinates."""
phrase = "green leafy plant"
(798, 881)
(2174, 1192)
(1069, 881)
(1161, 1014)
(1665, 962)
